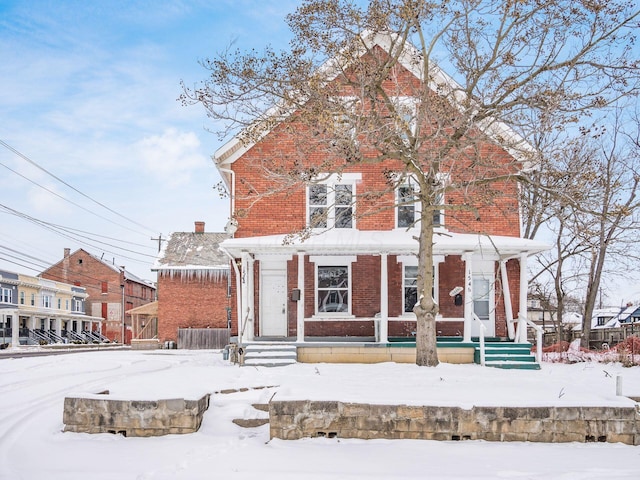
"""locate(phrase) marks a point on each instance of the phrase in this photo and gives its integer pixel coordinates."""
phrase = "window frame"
(410, 184)
(322, 261)
(330, 183)
(412, 261)
(6, 295)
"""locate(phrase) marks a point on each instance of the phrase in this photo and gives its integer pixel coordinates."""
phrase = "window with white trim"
(410, 288)
(6, 295)
(331, 203)
(408, 206)
(410, 281)
(333, 289)
(46, 301)
(77, 305)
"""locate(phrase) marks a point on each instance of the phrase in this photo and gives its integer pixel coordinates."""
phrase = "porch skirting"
(379, 353)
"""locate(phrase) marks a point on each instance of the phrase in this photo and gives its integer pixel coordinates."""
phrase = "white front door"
(273, 304)
(483, 306)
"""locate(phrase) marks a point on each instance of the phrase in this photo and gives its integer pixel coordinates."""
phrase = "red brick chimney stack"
(199, 227)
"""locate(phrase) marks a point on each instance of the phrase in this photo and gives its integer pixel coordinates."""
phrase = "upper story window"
(22, 298)
(6, 295)
(46, 301)
(77, 305)
(408, 207)
(331, 202)
(33, 299)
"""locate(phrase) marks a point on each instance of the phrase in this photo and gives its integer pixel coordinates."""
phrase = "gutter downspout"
(238, 294)
(232, 176)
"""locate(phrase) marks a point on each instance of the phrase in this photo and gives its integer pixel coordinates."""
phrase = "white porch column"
(58, 326)
(251, 293)
(79, 326)
(300, 304)
(244, 285)
(384, 299)
(15, 328)
(468, 296)
(506, 293)
(524, 287)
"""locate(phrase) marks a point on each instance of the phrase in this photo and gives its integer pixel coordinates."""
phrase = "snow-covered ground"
(33, 446)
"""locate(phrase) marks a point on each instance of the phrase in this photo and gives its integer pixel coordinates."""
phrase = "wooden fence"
(203, 338)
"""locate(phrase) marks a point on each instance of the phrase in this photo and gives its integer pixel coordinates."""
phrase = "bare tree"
(607, 223)
(517, 64)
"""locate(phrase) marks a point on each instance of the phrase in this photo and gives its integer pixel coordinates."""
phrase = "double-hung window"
(408, 206)
(6, 295)
(46, 301)
(331, 203)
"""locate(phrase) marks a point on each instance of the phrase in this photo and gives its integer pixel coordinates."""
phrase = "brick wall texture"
(190, 302)
(265, 207)
(102, 284)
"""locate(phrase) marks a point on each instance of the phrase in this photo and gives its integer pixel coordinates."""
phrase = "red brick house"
(357, 278)
(193, 283)
(108, 286)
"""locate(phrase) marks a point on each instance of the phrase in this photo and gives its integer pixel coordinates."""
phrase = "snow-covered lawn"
(33, 446)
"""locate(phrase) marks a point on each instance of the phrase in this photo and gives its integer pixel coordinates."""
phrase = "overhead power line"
(72, 236)
(27, 159)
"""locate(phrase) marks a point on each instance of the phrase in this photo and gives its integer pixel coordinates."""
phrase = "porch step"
(270, 355)
(508, 355)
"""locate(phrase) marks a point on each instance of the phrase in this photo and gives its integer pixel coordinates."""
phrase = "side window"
(410, 283)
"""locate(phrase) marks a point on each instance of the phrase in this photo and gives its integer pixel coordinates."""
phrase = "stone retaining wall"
(133, 418)
(290, 420)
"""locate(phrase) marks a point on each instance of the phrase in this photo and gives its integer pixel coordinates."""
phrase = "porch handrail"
(539, 334)
(483, 329)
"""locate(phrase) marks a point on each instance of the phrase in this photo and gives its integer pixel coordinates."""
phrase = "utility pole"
(160, 240)
(122, 285)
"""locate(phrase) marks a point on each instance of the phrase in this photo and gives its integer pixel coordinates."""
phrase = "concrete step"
(508, 355)
(269, 355)
(511, 364)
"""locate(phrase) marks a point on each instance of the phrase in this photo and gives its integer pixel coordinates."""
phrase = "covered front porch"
(355, 286)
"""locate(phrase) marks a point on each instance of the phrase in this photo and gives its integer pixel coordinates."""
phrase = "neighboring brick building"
(193, 283)
(105, 285)
(356, 277)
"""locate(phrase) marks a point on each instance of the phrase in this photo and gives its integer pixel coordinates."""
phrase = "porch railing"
(483, 331)
(539, 335)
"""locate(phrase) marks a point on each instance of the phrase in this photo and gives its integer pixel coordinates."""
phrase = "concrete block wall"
(133, 418)
(291, 420)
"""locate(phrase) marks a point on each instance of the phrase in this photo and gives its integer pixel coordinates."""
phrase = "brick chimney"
(199, 227)
(67, 252)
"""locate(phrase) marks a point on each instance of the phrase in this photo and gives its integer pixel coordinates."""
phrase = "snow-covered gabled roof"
(410, 59)
(193, 253)
(400, 242)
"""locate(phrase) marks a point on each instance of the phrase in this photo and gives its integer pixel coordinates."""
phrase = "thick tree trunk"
(426, 343)
(426, 308)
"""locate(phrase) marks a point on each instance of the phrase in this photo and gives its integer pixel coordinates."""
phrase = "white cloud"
(172, 157)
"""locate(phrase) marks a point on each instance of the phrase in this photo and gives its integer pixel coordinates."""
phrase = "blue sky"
(88, 91)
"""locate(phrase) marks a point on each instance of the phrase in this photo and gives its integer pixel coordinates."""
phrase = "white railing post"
(482, 333)
(539, 335)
